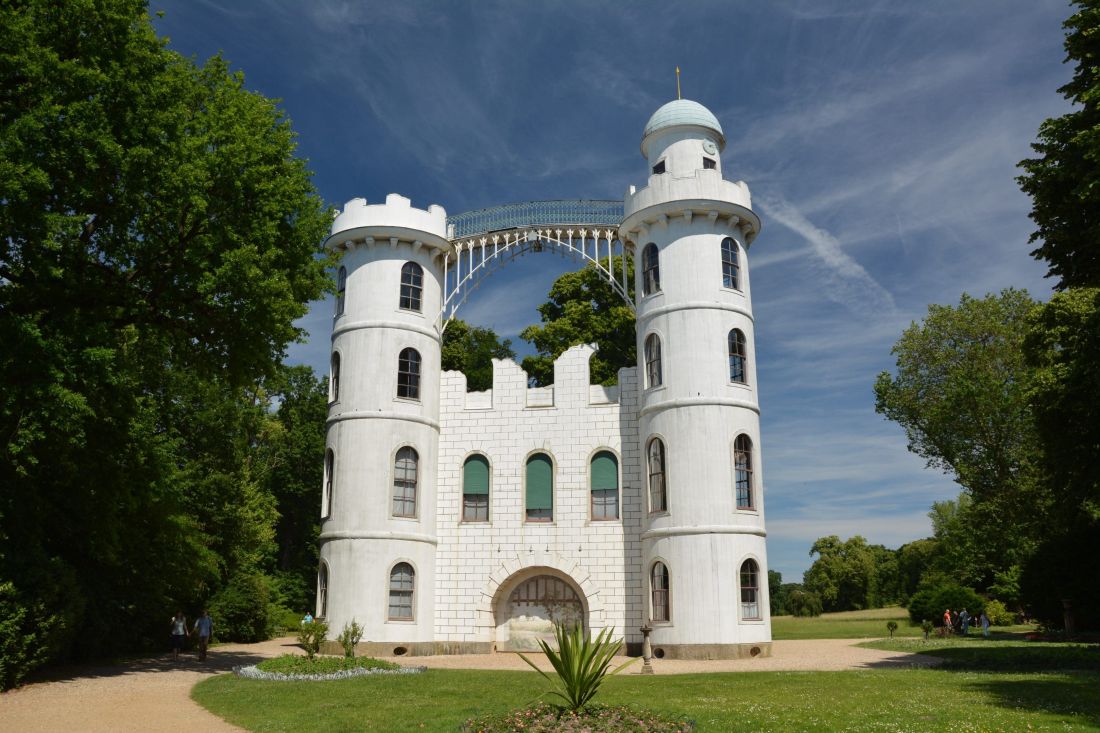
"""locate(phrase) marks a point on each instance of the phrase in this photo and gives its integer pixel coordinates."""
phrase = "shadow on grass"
(1071, 694)
(994, 658)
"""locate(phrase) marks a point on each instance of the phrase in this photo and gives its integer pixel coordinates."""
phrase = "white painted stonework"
(498, 584)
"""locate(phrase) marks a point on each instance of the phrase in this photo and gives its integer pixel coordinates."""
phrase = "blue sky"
(880, 141)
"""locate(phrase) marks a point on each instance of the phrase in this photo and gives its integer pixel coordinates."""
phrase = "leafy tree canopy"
(583, 308)
(1062, 181)
(471, 350)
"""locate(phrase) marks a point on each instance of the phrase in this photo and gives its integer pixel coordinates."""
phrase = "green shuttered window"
(540, 488)
(475, 489)
(605, 486)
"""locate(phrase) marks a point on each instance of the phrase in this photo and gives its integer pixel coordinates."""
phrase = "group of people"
(203, 628)
(960, 622)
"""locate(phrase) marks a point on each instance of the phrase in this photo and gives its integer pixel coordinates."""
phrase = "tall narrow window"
(334, 378)
(742, 468)
(651, 270)
(540, 488)
(658, 581)
(737, 356)
(475, 489)
(731, 267)
(750, 590)
(412, 286)
(652, 360)
(326, 498)
(341, 288)
(605, 486)
(402, 587)
(408, 374)
(404, 483)
(658, 497)
(322, 591)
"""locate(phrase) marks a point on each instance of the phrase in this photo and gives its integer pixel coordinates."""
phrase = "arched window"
(412, 286)
(334, 378)
(651, 270)
(750, 590)
(341, 288)
(742, 470)
(326, 498)
(658, 498)
(322, 591)
(404, 482)
(540, 488)
(737, 356)
(402, 587)
(731, 268)
(658, 582)
(652, 360)
(475, 489)
(408, 374)
(605, 486)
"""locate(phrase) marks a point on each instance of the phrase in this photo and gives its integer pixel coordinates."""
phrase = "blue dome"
(683, 112)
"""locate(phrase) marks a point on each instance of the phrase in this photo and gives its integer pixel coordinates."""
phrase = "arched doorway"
(530, 603)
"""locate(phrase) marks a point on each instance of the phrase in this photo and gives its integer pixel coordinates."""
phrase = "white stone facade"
(399, 553)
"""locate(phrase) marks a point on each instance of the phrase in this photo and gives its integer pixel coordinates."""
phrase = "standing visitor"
(307, 619)
(179, 633)
(204, 627)
(985, 624)
(964, 622)
(947, 621)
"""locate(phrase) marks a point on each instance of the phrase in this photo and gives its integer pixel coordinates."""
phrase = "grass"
(999, 655)
(880, 700)
(868, 624)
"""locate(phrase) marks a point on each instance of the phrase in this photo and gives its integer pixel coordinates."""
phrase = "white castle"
(461, 522)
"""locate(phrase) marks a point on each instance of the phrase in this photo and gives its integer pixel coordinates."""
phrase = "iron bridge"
(486, 239)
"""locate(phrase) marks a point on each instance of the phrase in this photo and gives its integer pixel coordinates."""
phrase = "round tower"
(705, 565)
(378, 529)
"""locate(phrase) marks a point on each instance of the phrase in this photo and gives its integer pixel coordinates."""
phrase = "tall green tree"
(843, 574)
(471, 350)
(583, 309)
(1063, 344)
(961, 394)
(160, 238)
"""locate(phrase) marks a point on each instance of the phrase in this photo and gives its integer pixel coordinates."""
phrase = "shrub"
(891, 626)
(929, 604)
(240, 609)
(998, 614)
(311, 635)
(297, 664)
(349, 637)
(926, 626)
(580, 663)
(285, 618)
(803, 603)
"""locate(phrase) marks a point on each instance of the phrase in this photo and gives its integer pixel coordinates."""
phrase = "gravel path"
(154, 694)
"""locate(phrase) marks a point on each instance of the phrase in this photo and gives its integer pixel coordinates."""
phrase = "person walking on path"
(964, 621)
(179, 633)
(985, 625)
(204, 627)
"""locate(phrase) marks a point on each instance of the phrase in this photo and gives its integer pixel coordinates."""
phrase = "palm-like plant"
(581, 663)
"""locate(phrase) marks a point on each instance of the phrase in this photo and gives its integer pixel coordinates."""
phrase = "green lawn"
(999, 654)
(869, 624)
(887, 700)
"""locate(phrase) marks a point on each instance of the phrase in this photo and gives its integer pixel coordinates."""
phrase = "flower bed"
(295, 667)
(544, 718)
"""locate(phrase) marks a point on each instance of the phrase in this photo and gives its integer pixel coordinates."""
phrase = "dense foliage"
(930, 603)
(160, 238)
(584, 309)
(471, 350)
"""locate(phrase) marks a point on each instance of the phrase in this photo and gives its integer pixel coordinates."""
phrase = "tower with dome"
(465, 522)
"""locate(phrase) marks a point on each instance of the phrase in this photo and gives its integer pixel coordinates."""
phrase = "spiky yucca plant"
(581, 663)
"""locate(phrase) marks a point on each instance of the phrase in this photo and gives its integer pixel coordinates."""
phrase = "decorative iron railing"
(573, 213)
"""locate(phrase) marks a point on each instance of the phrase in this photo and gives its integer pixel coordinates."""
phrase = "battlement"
(571, 387)
(396, 218)
(701, 194)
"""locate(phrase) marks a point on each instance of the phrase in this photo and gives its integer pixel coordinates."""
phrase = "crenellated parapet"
(572, 387)
(704, 195)
(390, 224)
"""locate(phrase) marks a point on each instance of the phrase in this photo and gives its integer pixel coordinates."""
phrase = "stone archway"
(530, 602)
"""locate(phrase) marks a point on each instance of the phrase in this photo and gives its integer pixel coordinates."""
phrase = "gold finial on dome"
(678, 83)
